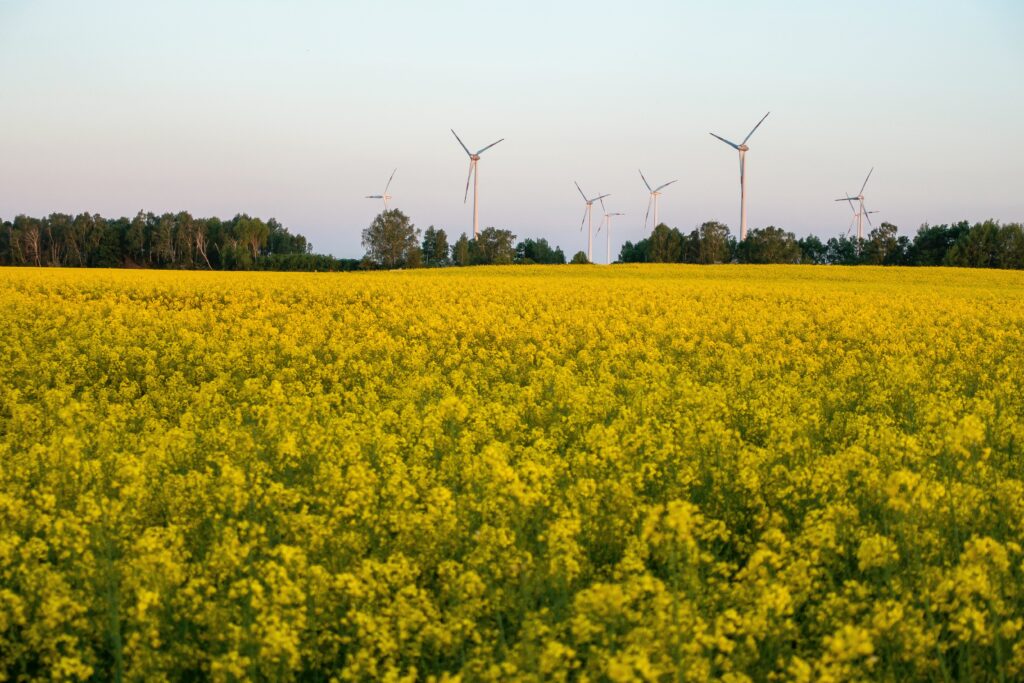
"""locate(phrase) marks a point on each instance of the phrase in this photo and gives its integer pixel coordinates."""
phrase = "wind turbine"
(861, 213)
(655, 193)
(384, 196)
(475, 175)
(608, 232)
(743, 149)
(586, 219)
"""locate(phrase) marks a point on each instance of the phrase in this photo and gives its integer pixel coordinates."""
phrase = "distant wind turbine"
(384, 196)
(655, 193)
(474, 158)
(608, 231)
(860, 213)
(743, 149)
(587, 220)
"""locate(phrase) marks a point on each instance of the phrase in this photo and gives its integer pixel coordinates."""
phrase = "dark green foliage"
(435, 247)
(709, 243)
(392, 241)
(812, 250)
(150, 241)
(460, 251)
(538, 251)
(768, 245)
(635, 253)
(579, 258)
(492, 247)
(881, 247)
(666, 245)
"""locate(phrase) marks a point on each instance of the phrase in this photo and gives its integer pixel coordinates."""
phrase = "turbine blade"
(645, 181)
(649, 200)
(731, 144)
(581, 191)
(389, 181)
(460, 141)
(584, 219)
(754, 128)
(866, 215)
(866, 180)
(488, 147)
(665, 185)
(374, 196)
(466, 198)
(601, 199)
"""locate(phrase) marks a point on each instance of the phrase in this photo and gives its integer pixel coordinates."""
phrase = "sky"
(296, 110)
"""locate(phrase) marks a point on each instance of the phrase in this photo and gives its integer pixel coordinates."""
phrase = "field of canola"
(524, 473)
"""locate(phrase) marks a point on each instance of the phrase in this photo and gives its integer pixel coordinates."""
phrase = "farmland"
(619, 473)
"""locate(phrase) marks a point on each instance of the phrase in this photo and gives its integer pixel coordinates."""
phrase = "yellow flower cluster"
(528, 473)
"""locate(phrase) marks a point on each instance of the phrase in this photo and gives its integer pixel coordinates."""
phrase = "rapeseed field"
(524, 473)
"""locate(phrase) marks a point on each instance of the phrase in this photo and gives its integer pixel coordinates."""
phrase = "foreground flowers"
(525, 473)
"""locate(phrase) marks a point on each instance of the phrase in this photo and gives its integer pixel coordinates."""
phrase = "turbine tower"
(655, 193)
(743, 149)
(474, 174)
(384, 196)
(860, 213)
(587, 220)
(608, 231)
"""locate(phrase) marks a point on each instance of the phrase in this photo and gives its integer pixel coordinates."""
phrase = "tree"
(493, 246)
(1011, 246)
(635, 253)
(460, 251)
(842, 251)
(29, 239)
(252, 234)
(538, 251)
(666, 245)
(812, 250)
(280, 241)
(435, 247)
(977, 247)
(392, 241)
(932, 243)
(709, 243)
(769, 245)
(881, 247)
(135, 238)
(580, 257)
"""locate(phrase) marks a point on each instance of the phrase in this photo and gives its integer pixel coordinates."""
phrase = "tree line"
(179, 240)
(987, 244)
(169, 240)
(392, 241)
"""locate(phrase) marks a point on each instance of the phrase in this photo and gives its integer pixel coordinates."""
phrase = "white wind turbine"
(608, 232)
(743, 149)
(860, 213)
(655, 193)
(384, 196)
(587, 220)
(474, 158)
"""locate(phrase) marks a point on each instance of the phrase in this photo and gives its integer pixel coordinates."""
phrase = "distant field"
(593, 473)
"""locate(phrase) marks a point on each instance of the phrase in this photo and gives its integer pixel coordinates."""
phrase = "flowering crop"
(650, 472)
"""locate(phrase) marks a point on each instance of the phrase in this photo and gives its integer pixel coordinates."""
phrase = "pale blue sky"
(296, 110)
